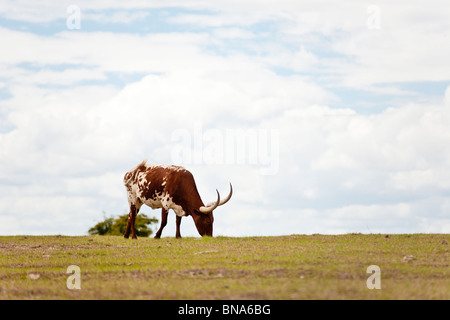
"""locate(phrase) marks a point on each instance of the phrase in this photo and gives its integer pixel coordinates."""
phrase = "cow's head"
(203, 217)
(204, 223)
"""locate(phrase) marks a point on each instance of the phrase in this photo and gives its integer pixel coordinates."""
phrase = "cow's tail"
(131, 175)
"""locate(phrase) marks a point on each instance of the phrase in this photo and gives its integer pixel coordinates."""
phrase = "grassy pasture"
(413, 266)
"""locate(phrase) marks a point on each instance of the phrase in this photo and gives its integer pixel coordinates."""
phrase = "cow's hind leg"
(164, 214)
(134, 210)
(126, 235)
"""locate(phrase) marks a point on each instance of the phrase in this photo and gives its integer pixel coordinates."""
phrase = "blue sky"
(347, 105)
(265, 36)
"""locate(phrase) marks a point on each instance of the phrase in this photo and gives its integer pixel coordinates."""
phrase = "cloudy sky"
(327, 117)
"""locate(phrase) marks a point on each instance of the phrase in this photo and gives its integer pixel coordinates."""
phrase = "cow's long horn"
(210, 206)
(223, 201)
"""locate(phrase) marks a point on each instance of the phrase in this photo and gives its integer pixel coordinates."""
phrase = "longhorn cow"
(168, 187)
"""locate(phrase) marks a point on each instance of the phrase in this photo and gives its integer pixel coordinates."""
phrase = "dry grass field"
(412, 266)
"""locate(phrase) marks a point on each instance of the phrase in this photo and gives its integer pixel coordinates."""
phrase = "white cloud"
(157, 52)
(77, 136)
(116, 17)
(69, 142)
(61, 78)
(447, 97)
(128, 127)
(233, 33)
(48, 10)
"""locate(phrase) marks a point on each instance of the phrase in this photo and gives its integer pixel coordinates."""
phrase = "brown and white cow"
(168, 187)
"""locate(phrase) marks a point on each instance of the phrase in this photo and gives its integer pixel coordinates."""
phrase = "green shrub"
(117, 226)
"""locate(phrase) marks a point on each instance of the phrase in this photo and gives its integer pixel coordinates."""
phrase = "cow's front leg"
(164, 214)
(178, 234)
